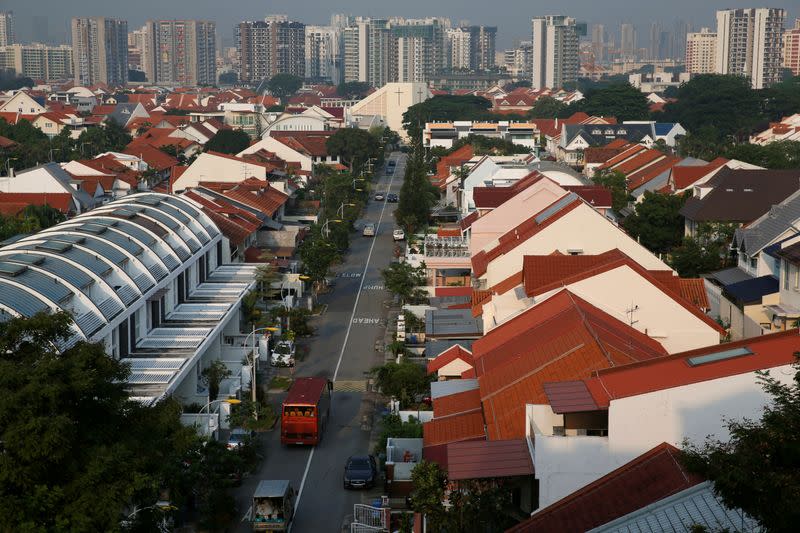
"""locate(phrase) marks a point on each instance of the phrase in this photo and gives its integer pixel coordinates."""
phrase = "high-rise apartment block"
(459, 48)
(750, 43)
(269, 47)
(369, 52)
(599, 42)
(322, 53)
(791, 49)
(100, 51)
(627, 40)
(482, 47)
(701, 52)
(7, 35)
(554, 53)
(38, 61)
(420, 50)
(180, 52)
(518, 61)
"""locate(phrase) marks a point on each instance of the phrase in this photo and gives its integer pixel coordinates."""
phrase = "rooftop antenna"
(631, 312)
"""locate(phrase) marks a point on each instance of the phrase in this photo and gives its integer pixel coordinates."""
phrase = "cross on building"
(398, 93)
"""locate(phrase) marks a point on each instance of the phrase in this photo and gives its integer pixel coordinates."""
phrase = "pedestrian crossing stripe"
(350, 386)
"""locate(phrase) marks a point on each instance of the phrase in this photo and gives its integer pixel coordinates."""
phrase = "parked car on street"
(398, 234)
(369, 230)
(283, 354)
(392, 198)
(238, 438)
(360, 471)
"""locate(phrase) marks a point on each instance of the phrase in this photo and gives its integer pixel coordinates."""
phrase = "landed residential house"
(50, 178)
(125, 113)
(218, 167)
(308, 148)
(587, 428)
(23, 103)
(108, 176)
(787, 129)
(737, 197)
(444, 134)
(310, 119)
(654, 487)
(52, 123)
(575, 138)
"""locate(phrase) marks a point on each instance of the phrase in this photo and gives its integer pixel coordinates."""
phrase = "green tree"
(111, 137)
(228, 142)
(483, 145)
(417, 195)
(617, 183)
(429, 484)
(703, 143)
(393, 426)
(620, 100)
(9, 81)
(212, 376)
(547, 107)
(443, 108)
(657, 222)
(758, 468)
(75, 449)
(692, 258)
(352, 90)
(709, 100)
(782, 99)
(404, 280)
(283, 85)
(317, 254)
(404, 381)
(353, 146)
(775, 155)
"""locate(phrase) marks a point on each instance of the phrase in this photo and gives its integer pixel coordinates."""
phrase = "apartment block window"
(796, 278)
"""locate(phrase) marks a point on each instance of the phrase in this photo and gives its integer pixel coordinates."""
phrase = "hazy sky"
(37, 19)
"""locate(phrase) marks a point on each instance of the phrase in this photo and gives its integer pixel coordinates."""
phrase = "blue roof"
(663, 128)
(752, 290)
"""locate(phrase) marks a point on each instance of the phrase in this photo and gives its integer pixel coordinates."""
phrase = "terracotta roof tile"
(488, 459)
(468, 426)
(562, 338)
(59, 201)
(641, 177)
(594, 195)
(448, 356)
(457, 404)
(686, 176)
(154, 157)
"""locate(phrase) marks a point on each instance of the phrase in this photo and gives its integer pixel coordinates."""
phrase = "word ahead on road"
(349, 274)
(366, 321)
(373, 288)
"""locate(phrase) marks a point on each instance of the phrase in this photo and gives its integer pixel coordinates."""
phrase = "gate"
(367, 518)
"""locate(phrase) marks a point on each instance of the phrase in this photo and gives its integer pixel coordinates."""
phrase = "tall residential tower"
(100, 51)
(555, 52)
(749, 43)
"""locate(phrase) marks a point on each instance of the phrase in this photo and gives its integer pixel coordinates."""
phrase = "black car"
(392, 198)
(360, 471)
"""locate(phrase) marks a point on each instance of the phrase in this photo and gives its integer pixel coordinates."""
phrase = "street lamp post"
(8, 164)
(232, 401)
(253, 360)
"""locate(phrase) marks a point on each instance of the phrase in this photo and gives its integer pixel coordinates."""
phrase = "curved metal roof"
(108, 258)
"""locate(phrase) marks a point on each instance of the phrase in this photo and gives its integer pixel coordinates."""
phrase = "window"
(753, 262)
(785, 267)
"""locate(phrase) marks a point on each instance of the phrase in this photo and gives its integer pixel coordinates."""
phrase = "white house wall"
(638, 423)
(208, 167)
(283, 151)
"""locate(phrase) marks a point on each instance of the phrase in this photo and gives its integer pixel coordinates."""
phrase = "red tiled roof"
(542, 273)
(457, 404)
(154, 157)
(629, 152)
(594, 195)
(467, 221)
(488, 459)
(456, 159)
(267, 201)
(694, 290)
(641, 159)
(685, 176)
(56, 200)
(768, 351)
(491, 197)
(637, 179)
(468, 426)
(569, 397)
(448, 356)
(599, 154)
(448, 232)
(651, 477)
(5, 142)
(562, 338)
(518, 235)
(312, 143)
(231, 229)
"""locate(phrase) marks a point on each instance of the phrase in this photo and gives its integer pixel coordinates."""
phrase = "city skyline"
(512, 26)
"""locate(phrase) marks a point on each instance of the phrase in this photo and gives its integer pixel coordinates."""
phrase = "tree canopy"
(617, 183)
(354, 146)
(353, 89)
(228, 78)
(283, 85)
(620, 100)
(443, 108)
(488, 145)
(404, 280)
(404, 381)
(657, 222)
(758, 468)
(228, 142)
(547, 107)
(417, 195)
(726, 103)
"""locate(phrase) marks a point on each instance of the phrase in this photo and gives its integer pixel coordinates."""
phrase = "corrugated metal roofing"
(72, 275)
(48, 286)
(684, 511)
(488, 459)
(453, 386)
(752, 290)
(21, 301)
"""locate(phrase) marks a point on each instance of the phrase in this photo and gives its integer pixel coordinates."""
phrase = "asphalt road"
(343, 349)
